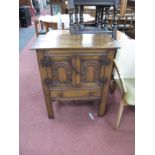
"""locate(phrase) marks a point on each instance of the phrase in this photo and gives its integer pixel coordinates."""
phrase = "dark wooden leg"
(106, 18)
(81, 17)
(71, 24)
(99, 18)
(115, 24)
(76, 17)
(46, 92)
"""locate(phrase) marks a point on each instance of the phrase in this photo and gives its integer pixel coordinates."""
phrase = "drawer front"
(75, 93)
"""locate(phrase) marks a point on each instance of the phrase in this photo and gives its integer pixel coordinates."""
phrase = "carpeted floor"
(72, 132)
(25, 35)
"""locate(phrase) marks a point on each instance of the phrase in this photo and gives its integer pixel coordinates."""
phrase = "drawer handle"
(60, 94)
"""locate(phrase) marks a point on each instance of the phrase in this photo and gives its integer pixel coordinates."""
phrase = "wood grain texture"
(62, 76)
(62, 39)
(90, 74)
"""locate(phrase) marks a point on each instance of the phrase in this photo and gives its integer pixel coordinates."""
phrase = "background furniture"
(75, 67)
(101, 24)
(123, 7)
(124, 64)
(91, 10)
(109, 16)
(49, 21)
(57, 6)
(126, 24)
(38, 29)
(24, 16)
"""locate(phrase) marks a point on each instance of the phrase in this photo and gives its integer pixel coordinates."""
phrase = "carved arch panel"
(61, 72)
(90, 71)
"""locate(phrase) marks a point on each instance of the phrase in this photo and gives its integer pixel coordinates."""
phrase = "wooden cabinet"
(75, 67)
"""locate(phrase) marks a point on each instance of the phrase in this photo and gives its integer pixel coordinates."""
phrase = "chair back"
(125, 57)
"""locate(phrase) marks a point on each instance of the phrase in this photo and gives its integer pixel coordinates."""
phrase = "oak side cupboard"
(75, 67)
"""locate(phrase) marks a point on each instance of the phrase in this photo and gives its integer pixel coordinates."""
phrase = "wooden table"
(51, 21)
(75, 67)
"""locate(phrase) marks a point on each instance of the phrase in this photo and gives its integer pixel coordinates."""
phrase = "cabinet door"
(93, 69)
(59, 70)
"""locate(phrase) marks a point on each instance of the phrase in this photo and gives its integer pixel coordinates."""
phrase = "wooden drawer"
(75, 93)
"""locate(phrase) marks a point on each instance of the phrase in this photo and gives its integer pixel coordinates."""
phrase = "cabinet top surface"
(62, 39)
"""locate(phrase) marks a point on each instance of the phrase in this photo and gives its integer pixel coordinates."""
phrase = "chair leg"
(119, 115)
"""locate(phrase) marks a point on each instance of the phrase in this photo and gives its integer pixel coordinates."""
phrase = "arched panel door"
(93, 69)
(59, 70)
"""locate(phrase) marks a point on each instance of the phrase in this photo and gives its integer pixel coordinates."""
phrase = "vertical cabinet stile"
(73, 71)
(105, 90)
(77, 70)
